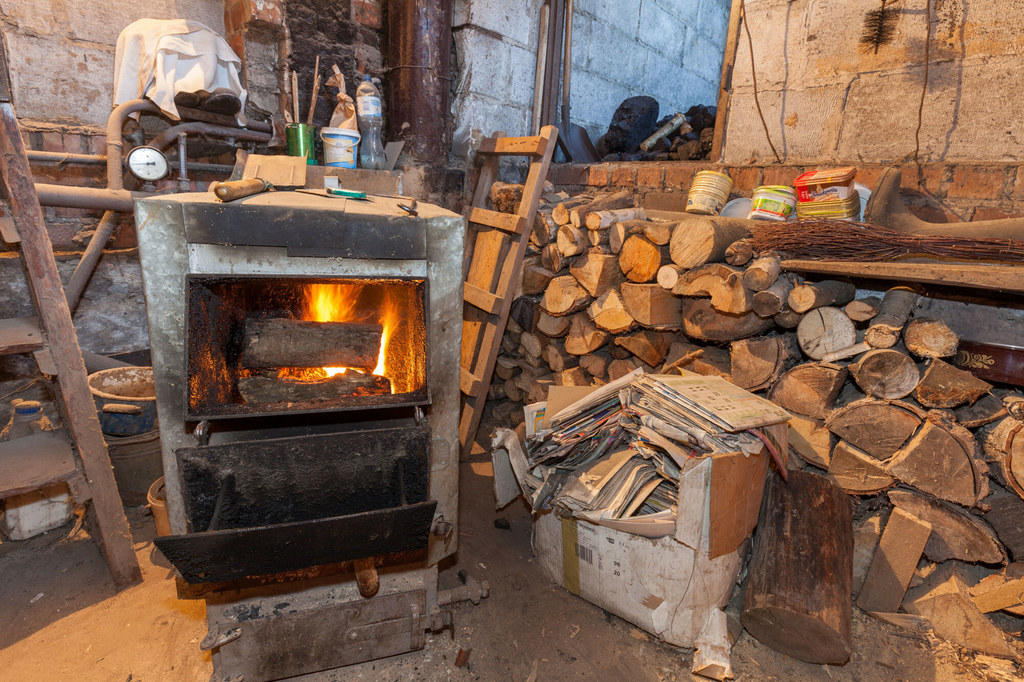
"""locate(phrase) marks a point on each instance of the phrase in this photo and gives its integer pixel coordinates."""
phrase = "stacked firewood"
(878, 405)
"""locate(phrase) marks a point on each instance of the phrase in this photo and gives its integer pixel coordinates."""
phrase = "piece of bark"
(797, 597)
(985, 410)
(893, 311)
(941, 459)
(651, 305)
(740, 252)
(571, 241)
(560, 213)
(620, 368)
(531, 344)
(505, 367)
(885, 373)
(551, 258)
(955, 534)
(552, 326)
(284, 342)
(536, 279)
(602, 202)
(700, 240)
(758, 363)
(762, 273)
(596, 364)
(572, 376)
(596, 271)
(825, 330)
(863, 309)
(928, 338)
(564, 296)
(640, 259)
(609, 313)
(1004, 513)
(857, 472)
(650, 346)
(829, 292)
(702, 321)
(703, 360)
(583, 336)
(809, 439)
(878, 427)
(773, 299)
(809, 389)
(865, 539)
(668, 275)
(944, 385)
(267, 389)
(895, 561)
(602, 220)
(505, 197)
(1010, 593)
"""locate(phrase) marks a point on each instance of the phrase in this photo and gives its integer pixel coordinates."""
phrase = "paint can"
(709, 192)
(299, 137)
(340, 147)
(773, 202)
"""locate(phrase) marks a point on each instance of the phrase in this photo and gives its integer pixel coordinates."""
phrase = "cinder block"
(485, 62)
(512, 20)
(614, 55)
(662, 31)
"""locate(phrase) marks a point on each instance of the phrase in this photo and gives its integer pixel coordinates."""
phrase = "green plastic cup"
(299, 137)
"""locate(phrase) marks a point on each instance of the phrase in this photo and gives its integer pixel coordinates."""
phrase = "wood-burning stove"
(306, 358)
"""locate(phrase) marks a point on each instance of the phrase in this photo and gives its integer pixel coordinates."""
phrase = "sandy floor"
(62, 620)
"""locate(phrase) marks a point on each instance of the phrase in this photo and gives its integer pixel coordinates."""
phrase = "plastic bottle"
(371, 121)
(28, 418)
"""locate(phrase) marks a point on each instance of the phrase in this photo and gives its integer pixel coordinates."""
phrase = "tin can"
(772, 202)
(709, 192)
(299, 137)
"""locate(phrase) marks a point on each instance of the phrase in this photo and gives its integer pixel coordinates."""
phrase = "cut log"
(1010, 593)
(927, 338)
(505, 367)
(862, 310)
(1005, 510)
(857, 472)
(697, 281)
(283, 342)
(650, 346)
(944, 385)
(808, 296)
(809, 439)
(762, 273)
(602, 220)
(544, 230)
(620, 368)
(602, 202)
(941, 459)
(560, 213)
(596, 364)
(788, 319)
(657, 233)
(740, 252)
(797, 598)
(1004, 444)
(505, 197)
(531, 344)
(758, 363)
(896, 559)
(700, 240)
(496, 391)
(985, 410)
(773, 299)
(825, 330)
(702, 321)
(564, 296)
(552, 259)
(809, 389)
(583, 336)
(651, 305)
(619, 232)
(610, 314)
(723, 283)
(640, 260)
(558, 360)
(598, 238)
(512, 391)
(878, 427)
(571, 241)
(573, 376)
(596, 271)
(955, 534)
(893, 311)
(844, 353)
(703, 360)
(669, 274)
(885, 373)
(272, 389)
(536, 279)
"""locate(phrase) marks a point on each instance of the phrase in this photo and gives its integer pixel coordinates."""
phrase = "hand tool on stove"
(263, 173)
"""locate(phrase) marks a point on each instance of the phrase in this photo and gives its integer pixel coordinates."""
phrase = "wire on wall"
(753, 76)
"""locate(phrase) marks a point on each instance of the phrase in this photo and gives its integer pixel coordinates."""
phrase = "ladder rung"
(508, 222)
(32, 462)
(514, 146)
(484, 300)
(20, 335)
(468, 383)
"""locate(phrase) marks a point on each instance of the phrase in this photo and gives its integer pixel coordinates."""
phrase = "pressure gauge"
(148, 164)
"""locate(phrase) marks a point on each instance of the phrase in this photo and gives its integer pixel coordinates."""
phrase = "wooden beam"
(987, 277)
(725, 86)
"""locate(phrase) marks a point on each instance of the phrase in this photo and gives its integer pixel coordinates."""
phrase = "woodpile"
(877, 406)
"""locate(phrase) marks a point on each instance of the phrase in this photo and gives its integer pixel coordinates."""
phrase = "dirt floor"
(63, 620)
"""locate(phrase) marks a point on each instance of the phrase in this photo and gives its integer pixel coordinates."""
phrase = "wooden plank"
(507, 222)
(513, 146)
(895, 561)
(468, 384)
(1010, 593)
(484, 300)
(32, 462)
(20, 335)
(987, 277)
(8, 232)
(79, 410)
(725, 88)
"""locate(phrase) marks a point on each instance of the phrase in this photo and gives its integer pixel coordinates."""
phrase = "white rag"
(157, 58)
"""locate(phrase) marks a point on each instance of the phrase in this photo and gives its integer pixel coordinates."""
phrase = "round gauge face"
(147, 163)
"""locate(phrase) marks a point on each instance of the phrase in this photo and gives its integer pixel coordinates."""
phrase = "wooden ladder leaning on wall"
(495, 246)
(33, 462)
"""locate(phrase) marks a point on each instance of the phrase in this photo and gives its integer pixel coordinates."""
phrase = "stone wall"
(826, 100)
(668, 49)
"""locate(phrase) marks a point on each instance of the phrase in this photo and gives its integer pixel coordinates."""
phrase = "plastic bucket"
(773, 202)
(136, 461)
(709, 192)
(340, 147)
(158, 505)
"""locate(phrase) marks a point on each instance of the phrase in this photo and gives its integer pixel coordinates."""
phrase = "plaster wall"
(827, 100)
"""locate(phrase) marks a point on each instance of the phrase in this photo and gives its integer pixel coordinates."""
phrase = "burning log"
(271, 389)
(282, 342)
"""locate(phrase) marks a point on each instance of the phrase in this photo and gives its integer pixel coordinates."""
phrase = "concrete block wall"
(668, 49)
(826, 100)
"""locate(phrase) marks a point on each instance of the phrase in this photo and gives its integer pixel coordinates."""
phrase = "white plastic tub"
(36, 512)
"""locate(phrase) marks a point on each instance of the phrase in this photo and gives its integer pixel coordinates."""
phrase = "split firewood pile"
(932, 454)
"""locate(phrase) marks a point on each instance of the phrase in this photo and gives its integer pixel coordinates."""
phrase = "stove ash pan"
(270, 506)
(289, 345)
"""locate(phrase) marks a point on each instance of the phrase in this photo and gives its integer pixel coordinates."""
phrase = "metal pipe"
(88, 197)
(115, 141)
(223, 119)
(90, 257)
(62, 157)
(170, 136)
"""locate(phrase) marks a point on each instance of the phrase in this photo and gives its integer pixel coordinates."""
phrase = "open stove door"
(275, 505)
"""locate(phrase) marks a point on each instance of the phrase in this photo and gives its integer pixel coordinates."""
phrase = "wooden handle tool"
(236, 189)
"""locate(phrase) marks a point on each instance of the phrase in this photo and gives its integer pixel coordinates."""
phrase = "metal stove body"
(272, 501)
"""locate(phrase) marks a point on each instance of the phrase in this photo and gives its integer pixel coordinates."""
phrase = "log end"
(799, 635)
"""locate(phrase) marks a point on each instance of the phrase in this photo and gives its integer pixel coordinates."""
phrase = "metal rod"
(90, 257)
(170, 136)
(99, 159)
(87, 197)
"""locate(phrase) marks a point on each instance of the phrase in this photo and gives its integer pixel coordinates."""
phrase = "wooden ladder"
(495, 245)
(32, 462)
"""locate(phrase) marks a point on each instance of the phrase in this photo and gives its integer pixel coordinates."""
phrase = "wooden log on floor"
(945, 386)
(863, 309)
(810, 440)
(762, 273)
(560, 213)
(895, 561)
(797, 598)
(878, 427)
(583, 337)
(955, 534)
(857, 472)
(885, 373)
(829, 292)
(758, 363)
(809, 389)
(564, 296)
(702, 321)
(609, 313)
(699, 240)
(602, 220)
(602, 202)
(272, 389)
(648, 345)
(596, 271)
(893, 312)
(651, 305)
(640, 259)
(283, 342)
(942, 459)
(928, 338)
(825, 331)
(740, 252)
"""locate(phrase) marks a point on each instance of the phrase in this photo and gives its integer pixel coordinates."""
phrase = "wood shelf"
(33, 462)
(20, 335)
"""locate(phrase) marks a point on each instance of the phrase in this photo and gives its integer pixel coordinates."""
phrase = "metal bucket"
(136, 461)
(126, 400)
